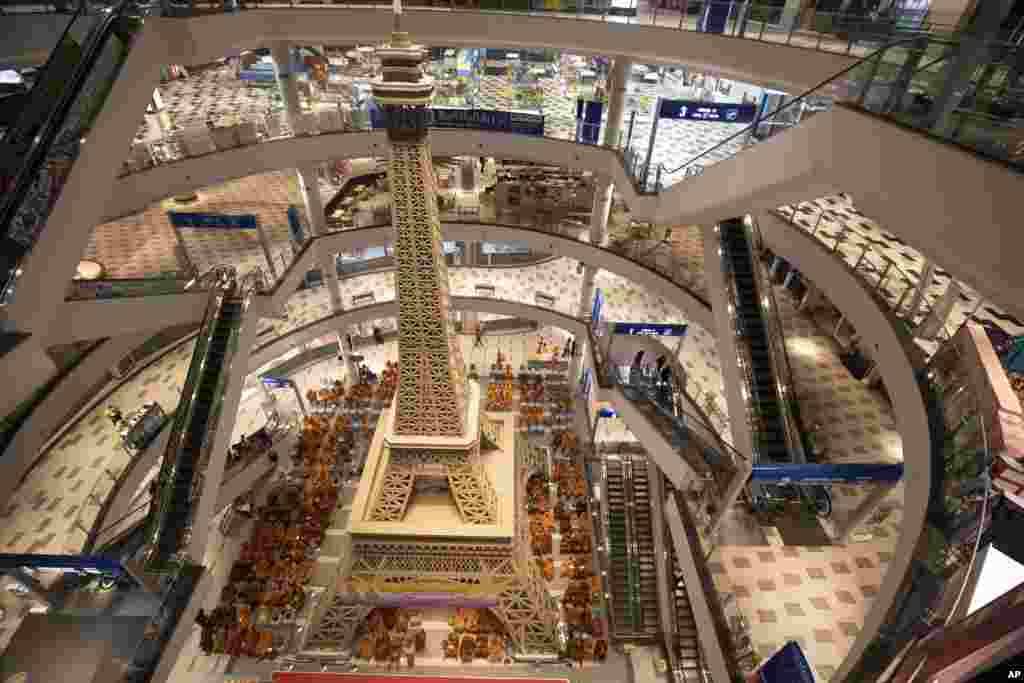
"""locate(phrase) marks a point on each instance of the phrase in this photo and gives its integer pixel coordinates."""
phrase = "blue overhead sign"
(524, 123)
(651, 329)
(276, 382)
(692, 110)
(596, 312)
(181, 219)
(827, 473)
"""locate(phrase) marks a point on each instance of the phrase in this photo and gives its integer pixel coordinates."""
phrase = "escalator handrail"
(183, 417)
(251, 285)
(777, 346)
(54, 122)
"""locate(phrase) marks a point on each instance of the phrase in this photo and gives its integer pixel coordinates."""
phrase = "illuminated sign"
(690, 110)
(181, 219)
(651, 329)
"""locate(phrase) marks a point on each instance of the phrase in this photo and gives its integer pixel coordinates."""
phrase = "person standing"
(660, 363)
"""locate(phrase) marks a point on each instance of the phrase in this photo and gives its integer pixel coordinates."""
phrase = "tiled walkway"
(41, 515)
(143, 244)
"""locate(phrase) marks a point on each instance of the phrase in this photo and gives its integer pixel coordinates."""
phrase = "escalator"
(194, 424)
(686, 642)
(45, 127)
(768, 422)
(643, 539)
(624, 615)
(631, 550)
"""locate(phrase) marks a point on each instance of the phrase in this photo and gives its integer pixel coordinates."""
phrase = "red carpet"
(317, 677)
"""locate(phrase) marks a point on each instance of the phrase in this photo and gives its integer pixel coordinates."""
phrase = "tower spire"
(396, 10)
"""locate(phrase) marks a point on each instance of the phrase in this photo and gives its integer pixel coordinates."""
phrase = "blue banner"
(715, 17)
(276, 382)
(651, 329)
(606, 412)
(211, 220)
(524, 123)
(295, 225)
(588, 121)
(694, 110)
(828, 473)
(595, 313)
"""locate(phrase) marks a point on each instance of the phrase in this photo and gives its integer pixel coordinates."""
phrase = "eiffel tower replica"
(438, 506)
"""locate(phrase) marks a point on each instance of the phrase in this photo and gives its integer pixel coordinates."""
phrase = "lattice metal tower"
(469, 538)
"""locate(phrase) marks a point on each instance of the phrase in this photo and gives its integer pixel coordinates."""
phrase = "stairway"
(768, 425)
(176, 513)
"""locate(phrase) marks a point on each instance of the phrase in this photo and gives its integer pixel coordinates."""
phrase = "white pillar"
(927, 274)
(598, 237)
(862, 512)
(281, 53)
(936, 319)
(309, 187)
(618, 81)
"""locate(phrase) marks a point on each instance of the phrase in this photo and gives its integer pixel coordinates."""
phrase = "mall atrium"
(602, 340)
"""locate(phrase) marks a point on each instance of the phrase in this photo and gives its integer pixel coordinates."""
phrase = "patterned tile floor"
(817, 596)
(141, 245)
(41, 515)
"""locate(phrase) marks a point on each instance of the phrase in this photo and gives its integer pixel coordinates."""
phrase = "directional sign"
(180, 219)
(276, 382)
(826, 473)
(694, 110)
(651, 329)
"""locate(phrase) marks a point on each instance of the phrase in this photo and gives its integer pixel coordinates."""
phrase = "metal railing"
(890, 283)
(828, 31)
(942, 567)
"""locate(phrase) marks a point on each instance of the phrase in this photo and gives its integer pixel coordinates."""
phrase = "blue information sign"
(606, 412)
(694, 110)
(651, 329)
(595, 313)
(524, 123)
(276, 382)
(827, 473)
(181, 219)
(295, 225)
(588, 121)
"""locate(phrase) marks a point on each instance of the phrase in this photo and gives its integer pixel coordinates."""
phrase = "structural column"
(927, 275)
(309, 187)
(281, 53)
(617, 82)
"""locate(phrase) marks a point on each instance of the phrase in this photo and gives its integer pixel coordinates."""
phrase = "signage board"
(695, 110)
(788, 665)
(588, 121)
(295, 229)
(276, 382)
(827, 473)
(650, 329)
(595, 313)
(180, 219)
(524, 123)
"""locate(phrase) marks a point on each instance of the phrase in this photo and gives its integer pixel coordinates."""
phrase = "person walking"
(660, 363)
(348, 340)
(378, 336)
(478, 336)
